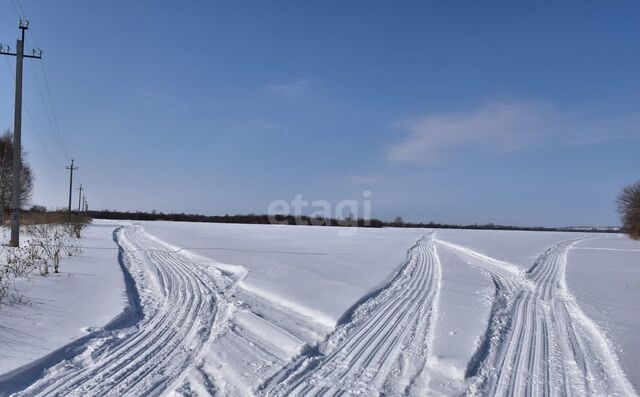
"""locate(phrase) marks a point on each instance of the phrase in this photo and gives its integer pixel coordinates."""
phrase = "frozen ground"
(278, 310)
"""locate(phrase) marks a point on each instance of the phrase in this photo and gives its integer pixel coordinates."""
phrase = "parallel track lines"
(547, 349)
(148, 357)
(365, 351)
(538, 341)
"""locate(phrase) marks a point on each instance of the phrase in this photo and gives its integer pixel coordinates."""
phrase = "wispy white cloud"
(364, 179)
(291, 89)
(261, 125)
(504, 127)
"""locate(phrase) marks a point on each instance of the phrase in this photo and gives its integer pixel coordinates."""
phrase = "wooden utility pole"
(17, 130)
(71, 168)
(80, 198)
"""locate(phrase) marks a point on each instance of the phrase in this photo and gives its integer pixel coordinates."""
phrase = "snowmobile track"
(364, 355)
(542, 343)
(147, 358)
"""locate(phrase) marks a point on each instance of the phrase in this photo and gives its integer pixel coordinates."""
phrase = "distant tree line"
(260, 219)
(316, 221)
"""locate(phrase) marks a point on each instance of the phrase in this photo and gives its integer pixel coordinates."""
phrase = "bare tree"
(629, 210)
(6, 174)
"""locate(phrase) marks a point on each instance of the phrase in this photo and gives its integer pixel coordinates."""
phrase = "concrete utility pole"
(17, 130)
(80, 198)
(71, 168)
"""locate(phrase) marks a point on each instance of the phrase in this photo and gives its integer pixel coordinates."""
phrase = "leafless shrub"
(50, 239)
(75, 226)
(4, 284)
(20, 262)
(23, 260)
(629, 210)
(49, 236)
(71, 248)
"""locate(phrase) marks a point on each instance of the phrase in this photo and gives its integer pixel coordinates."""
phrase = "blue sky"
(455, 112)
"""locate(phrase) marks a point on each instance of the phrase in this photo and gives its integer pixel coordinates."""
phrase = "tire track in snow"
(383, 346)
(147, 358)
(539, 341)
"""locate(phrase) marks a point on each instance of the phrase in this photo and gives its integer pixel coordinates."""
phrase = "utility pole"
(71, 168)
(84, 202)
(80, 198)
(23, 25)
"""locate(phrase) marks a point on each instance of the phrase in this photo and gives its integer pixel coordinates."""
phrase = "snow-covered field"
(198, 309)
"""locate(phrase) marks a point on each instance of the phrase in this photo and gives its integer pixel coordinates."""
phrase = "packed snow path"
(539, 341)
(382, 347)
(179, 300)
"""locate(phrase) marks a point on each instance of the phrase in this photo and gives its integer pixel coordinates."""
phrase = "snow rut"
(539, 342)
(180, 303)
(383, 346)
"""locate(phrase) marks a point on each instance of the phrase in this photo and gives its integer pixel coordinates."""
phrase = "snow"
(604, 275)
(520, 248)
(316, 271)
(465, 304)
(278, 310)
(288, 345)
(88, 292)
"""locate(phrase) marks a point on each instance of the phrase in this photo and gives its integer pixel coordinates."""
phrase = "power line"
(17, 6)
(55, 126)
(44, 104)
(17, 130)
(53, 112)
(31, 119)
(80, 198)
(20, 6)
(71, 168)
(20, 15)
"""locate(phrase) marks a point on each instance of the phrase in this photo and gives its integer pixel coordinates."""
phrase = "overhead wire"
(15, 7)
(47, 101)
(31, 119)
(44, 104)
